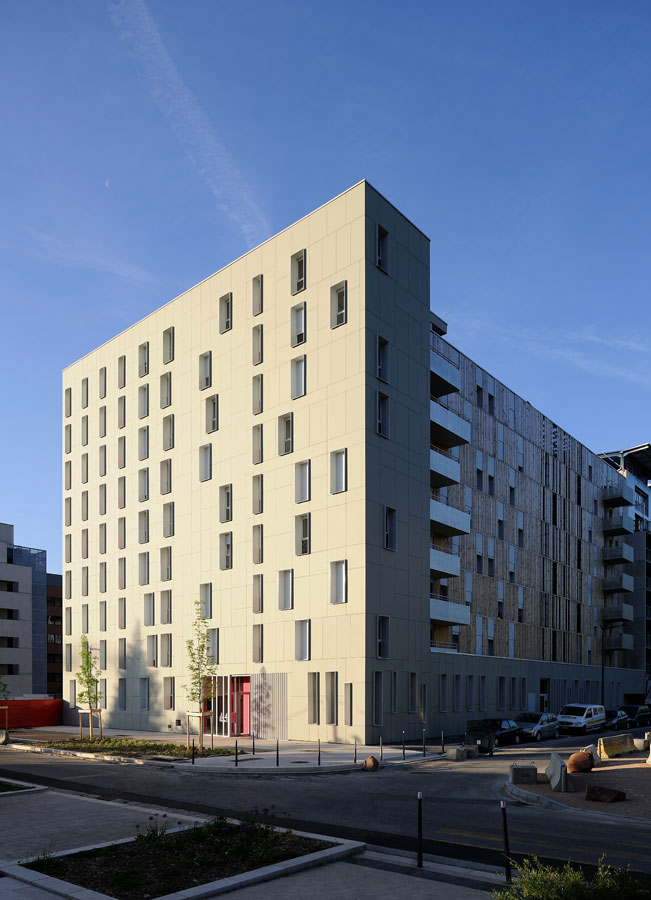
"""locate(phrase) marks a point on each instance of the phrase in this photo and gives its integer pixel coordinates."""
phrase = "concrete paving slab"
(10, 889)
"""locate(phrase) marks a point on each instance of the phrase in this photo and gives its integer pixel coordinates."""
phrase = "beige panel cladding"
(330, 416)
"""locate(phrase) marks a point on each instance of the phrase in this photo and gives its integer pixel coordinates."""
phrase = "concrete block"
(557, 775)
(456, 753)
(523, 774)
(603, 794)
(616, 745)
(592, 748)
(472, 751)
(640, 744)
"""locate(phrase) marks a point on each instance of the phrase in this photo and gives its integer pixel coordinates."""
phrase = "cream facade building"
(290, 445)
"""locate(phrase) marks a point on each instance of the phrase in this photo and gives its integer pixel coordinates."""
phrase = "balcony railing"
(461, 507)
(444, 645)
(444, 349)
(450, 455)
(443, 401)
(444, 549)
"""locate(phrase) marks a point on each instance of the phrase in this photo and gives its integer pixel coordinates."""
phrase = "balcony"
(621, 612)
(618, 555)
(442, 563)
(443, 647)
(448, 428)
(620, 524)
(616, 583)
(444, 470)
(443, 612)
(618, 642)
(620, 494)
(448, 520)
(444, 377)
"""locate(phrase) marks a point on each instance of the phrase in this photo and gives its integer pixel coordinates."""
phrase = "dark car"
(538, 726)
(616, 719)
(489, 733)
(637, 715)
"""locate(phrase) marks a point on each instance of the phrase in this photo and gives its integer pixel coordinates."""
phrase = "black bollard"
(442, 741)
(253, 739)
(403, 745)
(277, 753)
(420, 829)
(236, 760)
(423, 742)
(192, 751)
(355, 757)
(381, 748)
(507, 852)
(319, 755)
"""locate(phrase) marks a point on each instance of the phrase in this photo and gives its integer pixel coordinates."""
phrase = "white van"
(579, 718)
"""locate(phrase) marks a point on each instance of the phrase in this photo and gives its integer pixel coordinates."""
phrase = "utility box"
(523, 774)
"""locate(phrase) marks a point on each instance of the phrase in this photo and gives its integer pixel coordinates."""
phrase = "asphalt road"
(461, 811)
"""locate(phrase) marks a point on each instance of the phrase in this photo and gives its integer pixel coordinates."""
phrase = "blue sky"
(145, 145)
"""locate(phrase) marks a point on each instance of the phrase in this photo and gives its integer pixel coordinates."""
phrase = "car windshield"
(572, 711)
(631, 709)
(532, 718)
(483, 724)
(611, 713)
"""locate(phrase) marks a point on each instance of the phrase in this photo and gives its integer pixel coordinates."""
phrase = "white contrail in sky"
(191, 126)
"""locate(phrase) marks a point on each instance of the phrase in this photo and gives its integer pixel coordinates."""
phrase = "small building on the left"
(30, 620)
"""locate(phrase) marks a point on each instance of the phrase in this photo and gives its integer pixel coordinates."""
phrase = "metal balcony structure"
(447, 520)
(616, 583)
(618, 554)
(443, 468)
(620, 494)
(448, 428)
(618, 524)
(621, 612)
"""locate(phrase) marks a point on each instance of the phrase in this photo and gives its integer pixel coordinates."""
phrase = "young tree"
(4, 689)
(88, 680)
(202, 665)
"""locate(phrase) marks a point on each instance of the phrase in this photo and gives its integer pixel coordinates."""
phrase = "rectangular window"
(143, 360)
(383, 415)
(166, 650)
(122, 452)
(143, 442)
(67, 432)
(226, 550)
(68, 662)
(102, 421)
(68, 620)
(101, 503)
(338, 471)
(298, 377)
(212, 413)
(348, 703)
(298, 271)
(102, 382)
(313, 699)
(122, 693)
(205, 370)
(84, 430)
(68, 585)
(302, 639)
(84, 506)
(122, 613)
(122, 653)
(84, 583)
(339, 581)
(84, 543)
(166, 607)
(257, 644)
(298, 324)
(470, 693)
(205, 600)
(166, 476)
(122, 371)
(168, 432)
(102, 578)
(168, 692)
(143, 568)
(102, 538)
(143, 401)
(84, 393)
(257, 488)
(383, 649)
(225, 313)
(67, 511)
(390, 529)
(285, 434)
(143, 526)
(166, 564)
(168, 520)
(67, 402)
(257, 593)
(122, 412)
(143, 484)
(84, 468)
(257, 544)
(286, 589)
(101, 465)
(213, 645)
(302, 525)
(144, 693)
(422, 712)
(226, 503)
(205, 462)
(302, 481)
(102, 654)
(256, 394)
(166, 390)
(377, 698)
(149, 609)
(68, 475)
(257, 446)
(339, 304)
(383, 359)
(331, 698)
(382, 258)
(257, 286)
(152, 649)
(84, 618)
(256, 349)
(168, 345)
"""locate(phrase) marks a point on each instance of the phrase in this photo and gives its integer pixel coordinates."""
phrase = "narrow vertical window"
(84, 393)
(84, 430)
(67, 444)
(144, 693)
(101, 500)
(302, 639)
(122, 412)
(166, 476)
(166, 564)
(122, 613)
(378, 700)
(257, 446)
(285, 434)
(101, 463)
(166, 390)
(84, 468)
(205, 600)
(143, 359)
(102, 422)
(168, 691)
(225, 313)
(226, 550)
(102, 538)
(338, 471)
(298, 271)
(168, 432)
(382, 249)
(383, 414)
(143, 401)
(302, 480)
(143, 568)
(257, 644)
(313, 699)
(257, 491)
(143, 484)
(383, 649)
(168, 519)
(390, 528)
(205, 370)
(143, 442)
(205, 462)
(143, 526)
(257, 594)
(257, 544)
(84, 506)
(212, 413)
(332, 700)
(122, 451)
(67, 512)
(122, 371)
(67, 476)
(256, 394)
(166, 607)
(168, 345)
(298, 377)
(348, 703)
(67, 402)
(256, 350)
(339, 304)
(286, 589)
(303, 534)
(257, 295)
(226, 503)
(102, 578)
(339, 581)
(383, 359)
(102, 382)
(298, 323)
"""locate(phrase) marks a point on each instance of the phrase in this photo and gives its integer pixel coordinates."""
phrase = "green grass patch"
(158, 863)
(539, 882)
(138, 749)
(7, 786)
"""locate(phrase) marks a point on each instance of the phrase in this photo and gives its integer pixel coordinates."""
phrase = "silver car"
(538, 726)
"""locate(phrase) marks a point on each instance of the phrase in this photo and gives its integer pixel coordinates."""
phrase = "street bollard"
(507, 852)
(236, 760)
(253, 739)
(277, 753)
(420, 829)
(442, 741)
(403, 745)
(381, 748)
(423, 742)
(355, 757)
(192, 751)
(319, 754)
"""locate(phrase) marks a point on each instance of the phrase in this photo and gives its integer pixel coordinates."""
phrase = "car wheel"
(538, 736)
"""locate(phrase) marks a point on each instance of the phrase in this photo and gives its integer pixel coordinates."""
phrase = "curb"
(29, 788)
(59, 888)
(518, 793)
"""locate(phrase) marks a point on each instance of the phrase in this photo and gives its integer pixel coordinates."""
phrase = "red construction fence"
(31, 713)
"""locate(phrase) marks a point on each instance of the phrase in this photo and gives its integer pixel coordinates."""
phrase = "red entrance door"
(240, 705)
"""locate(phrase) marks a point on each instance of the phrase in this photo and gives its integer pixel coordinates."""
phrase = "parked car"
(637, 715)
(489, 733)
(579, 718)
(616, 719)
(538, 726)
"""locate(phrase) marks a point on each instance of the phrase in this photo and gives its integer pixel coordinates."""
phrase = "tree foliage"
(4, 689)
(201, 664)
(88, 676)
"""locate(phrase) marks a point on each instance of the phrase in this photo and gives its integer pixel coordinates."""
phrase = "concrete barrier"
(592, 748)
(641, 744)
(557, 776)
(616, 745)
(471, 751)
(456, 753)
(523, 774)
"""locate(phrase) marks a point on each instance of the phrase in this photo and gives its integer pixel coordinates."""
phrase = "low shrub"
(536, 881)
(124, 747)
